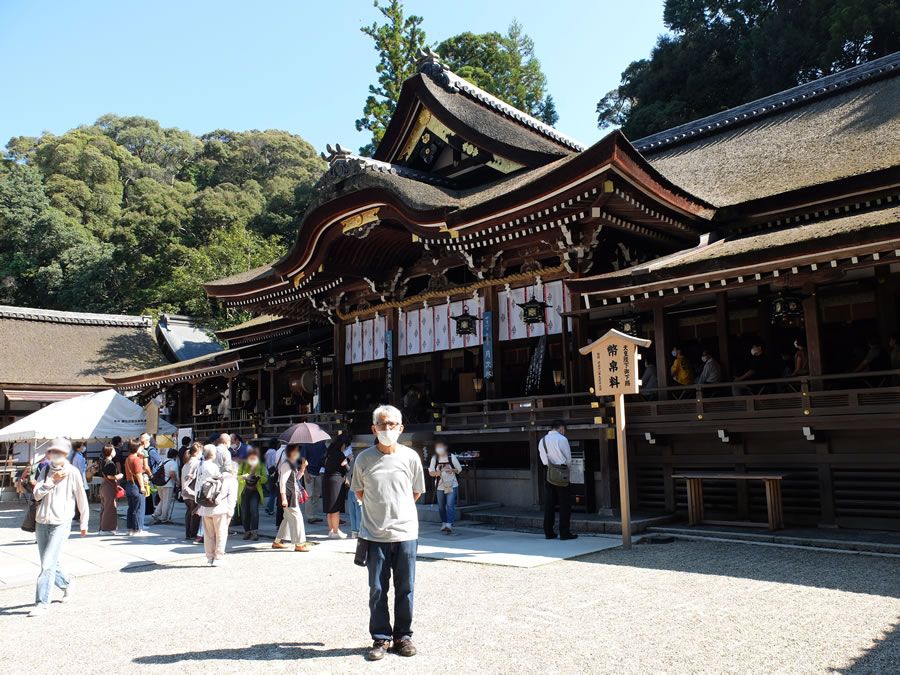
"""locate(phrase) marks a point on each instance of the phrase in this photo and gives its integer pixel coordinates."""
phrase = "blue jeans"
(272, 487)
(136, 501)
(353, 511)
(447, 505)
(50, 539)
(397, 558)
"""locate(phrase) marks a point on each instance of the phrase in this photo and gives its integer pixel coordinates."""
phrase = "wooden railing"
(523, 412)
(805, 397)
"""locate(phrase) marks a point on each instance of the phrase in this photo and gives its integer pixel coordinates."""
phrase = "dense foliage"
(722, 53)
(503, 65)
(125, 216)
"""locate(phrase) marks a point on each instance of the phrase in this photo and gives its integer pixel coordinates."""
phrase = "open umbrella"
(305, 432)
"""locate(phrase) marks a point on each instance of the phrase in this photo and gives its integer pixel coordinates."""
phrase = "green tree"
(726, 52)
(397, 42)
(502, 65)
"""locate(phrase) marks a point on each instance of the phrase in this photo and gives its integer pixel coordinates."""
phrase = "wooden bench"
(773, 497)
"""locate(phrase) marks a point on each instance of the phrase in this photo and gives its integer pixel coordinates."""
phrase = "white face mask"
(674, 353)
(755, 352)
(796, 345)
(253, 461)
(57, 460)
(704, 358)
(441, 450)
(388, 437)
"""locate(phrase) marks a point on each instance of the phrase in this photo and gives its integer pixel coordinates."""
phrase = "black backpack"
(210, 491)
(160, 477)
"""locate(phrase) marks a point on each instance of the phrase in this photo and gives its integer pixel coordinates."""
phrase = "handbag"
(557, 474)
(29, 523)
(120, 492)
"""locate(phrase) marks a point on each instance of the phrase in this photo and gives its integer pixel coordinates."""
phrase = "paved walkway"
(101, 553)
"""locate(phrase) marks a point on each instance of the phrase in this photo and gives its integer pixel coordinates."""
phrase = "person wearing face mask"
(252, 476)
(290, 468)
(445, 467)
(712, 370)
(388, 478)
(757, 369)
(801, 359)
(681, 369)
(58, 489)
(335, 484)
(111, 473)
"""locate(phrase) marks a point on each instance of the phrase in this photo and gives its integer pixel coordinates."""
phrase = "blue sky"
(300, 66)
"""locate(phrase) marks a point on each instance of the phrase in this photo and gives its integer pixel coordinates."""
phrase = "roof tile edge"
(795, 96)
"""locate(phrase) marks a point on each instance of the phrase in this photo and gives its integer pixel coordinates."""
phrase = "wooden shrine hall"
(457, 272)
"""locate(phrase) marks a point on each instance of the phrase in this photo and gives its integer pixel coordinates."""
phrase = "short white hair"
(383, 411)
(145, 437)
(209, 451)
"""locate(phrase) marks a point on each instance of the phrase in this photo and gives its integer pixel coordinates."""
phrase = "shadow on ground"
(852, 573)
(276, 651)
(879, 658)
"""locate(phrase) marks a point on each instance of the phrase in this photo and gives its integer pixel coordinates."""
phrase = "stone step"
(779, 539)
(594, 525)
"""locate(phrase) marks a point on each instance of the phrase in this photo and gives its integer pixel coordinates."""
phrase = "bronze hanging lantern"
(630, 325)
(465, 322)
(787, 309)
(308, 353)
(533, 310)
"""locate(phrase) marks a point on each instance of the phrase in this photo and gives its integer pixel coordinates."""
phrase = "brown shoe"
(246, 535)
(302, 548)
(278, 544)
(404, 647)
(254, 536)
(379, 649)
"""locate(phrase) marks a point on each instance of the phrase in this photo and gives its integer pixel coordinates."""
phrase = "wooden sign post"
(615, 365)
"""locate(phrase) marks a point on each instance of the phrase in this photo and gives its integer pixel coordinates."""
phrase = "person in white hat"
(58, 488)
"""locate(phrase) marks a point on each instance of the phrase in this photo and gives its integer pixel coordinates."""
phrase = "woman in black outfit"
(334, 484)
(112, 473)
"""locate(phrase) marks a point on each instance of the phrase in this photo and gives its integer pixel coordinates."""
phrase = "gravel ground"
(676, 608)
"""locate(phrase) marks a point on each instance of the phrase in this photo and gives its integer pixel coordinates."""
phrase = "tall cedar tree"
(502, 65)
(726, 52)
(397, 42)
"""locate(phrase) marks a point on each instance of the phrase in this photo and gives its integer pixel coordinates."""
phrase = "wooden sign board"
(152, 411)
(614, 359)
(615, 364)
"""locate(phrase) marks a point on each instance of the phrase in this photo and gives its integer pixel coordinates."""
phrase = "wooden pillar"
(885, 307)
(826, 485)
(661, 344)
(604, 494)
(743, 489)
(813, 337)
(338, 385)
(566, 356)
(579, 339)
(272, 392)
(259, 390)
(722, 328)
(534, 462)
(193, 400)
(764, 317)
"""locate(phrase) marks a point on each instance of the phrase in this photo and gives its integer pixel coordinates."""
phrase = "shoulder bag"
(557, 474)
(29, 524)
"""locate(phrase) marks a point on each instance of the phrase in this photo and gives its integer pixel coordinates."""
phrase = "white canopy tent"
(101, 415)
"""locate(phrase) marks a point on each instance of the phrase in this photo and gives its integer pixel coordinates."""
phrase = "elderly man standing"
(57, 490)
(388, 478)
(223, 451)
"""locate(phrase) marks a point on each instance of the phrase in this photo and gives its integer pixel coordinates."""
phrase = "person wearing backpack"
(188, 484)
(445, 468)
(217, 497)
(166, 480)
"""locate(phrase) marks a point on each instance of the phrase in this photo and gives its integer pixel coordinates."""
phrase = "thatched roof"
(755, 248)
(837, 127)
(46, 347)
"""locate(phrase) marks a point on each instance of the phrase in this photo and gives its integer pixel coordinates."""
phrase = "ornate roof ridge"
(343, 163)
(768, 105)
(79, 318)
(430, 64)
